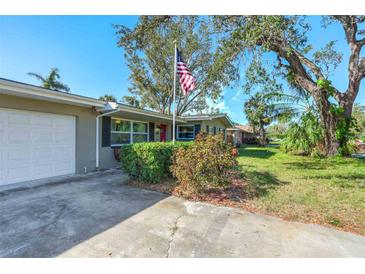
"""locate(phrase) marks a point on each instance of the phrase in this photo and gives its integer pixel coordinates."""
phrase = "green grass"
(326, 191)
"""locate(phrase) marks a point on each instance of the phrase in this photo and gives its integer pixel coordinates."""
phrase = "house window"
(211, 130)
(127, 132)
(140, 132)
(185, 132)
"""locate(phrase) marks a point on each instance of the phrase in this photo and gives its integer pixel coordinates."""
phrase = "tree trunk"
(333, 144)
(329, 122)
(262, 135)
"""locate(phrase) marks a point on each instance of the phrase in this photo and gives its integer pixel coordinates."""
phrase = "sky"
(84, 49)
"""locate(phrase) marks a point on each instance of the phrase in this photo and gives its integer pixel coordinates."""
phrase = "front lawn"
(296, 188)
(324, 191)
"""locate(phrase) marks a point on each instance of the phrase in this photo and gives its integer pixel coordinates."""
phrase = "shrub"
(303, 137)
(149, 162)
(206, 162)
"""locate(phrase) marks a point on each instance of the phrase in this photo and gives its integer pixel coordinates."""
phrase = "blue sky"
(84, 49)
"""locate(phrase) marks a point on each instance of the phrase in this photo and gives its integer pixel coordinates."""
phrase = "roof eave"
(133, 110)
(29, 91)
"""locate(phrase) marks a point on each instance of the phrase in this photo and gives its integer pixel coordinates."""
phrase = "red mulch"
(233, 195)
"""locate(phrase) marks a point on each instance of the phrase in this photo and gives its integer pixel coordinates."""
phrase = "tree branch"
(356, 67)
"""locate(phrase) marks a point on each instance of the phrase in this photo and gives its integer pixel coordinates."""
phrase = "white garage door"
(35, 145)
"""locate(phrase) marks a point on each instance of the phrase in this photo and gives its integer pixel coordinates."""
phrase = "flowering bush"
(207, 161)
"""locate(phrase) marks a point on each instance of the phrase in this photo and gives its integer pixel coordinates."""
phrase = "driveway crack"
(174, 228)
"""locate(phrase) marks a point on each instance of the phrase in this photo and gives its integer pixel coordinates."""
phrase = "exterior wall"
(235, 137)
(106, 154)
(85, 125)
(214, 123)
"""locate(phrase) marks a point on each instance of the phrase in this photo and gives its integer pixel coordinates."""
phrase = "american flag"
(187, 81)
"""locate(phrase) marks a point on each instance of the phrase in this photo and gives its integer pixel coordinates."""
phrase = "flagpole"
(174, 98)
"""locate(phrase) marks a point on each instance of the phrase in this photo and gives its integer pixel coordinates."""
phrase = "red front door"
(162, 133)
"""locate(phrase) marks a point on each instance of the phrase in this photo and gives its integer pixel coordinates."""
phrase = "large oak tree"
(149, 53)
(286, 37)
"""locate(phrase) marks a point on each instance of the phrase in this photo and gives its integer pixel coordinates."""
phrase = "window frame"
(185, 139)
(131, 132)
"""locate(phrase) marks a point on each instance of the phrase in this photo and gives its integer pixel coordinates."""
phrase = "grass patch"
(325, 191)
(329, 191)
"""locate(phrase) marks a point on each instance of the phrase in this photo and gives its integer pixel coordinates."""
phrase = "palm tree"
(108, 98)
(51, 80)
(262, 109)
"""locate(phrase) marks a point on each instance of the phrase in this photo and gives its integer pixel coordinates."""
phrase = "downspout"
(97, 135)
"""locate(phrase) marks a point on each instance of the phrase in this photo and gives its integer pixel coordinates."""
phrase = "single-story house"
(46, 133)
(241, 134)
(209, 123)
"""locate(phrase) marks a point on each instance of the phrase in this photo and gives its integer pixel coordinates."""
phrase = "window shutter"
(105, 131)
(208, 129)
(197, 129)
(214, 130)
(151, 131)
(172, 130)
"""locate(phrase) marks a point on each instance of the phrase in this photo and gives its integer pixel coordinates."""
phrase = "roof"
(15, 88)
(208, 117)
(245, 128)
(20, 89)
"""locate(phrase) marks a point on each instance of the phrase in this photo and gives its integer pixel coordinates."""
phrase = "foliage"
(149, 52)
(51, 80)
(303, 137)
(206, 162)
(298, 63)
(261, 110)
(328, 58)
(132, 101)
(108, 98)
(358, 115)
(277, 131)
(150, 161)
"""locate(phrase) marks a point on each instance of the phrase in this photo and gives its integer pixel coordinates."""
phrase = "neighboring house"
(241, 134)
(46, 133)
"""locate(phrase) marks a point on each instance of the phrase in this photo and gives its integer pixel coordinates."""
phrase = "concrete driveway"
(98, 216)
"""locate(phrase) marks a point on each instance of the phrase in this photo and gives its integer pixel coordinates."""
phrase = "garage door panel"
(63, 167)
(19, 172)
(42, 153)
(41, 120)
(62, 138)
(18, 136)
(19, 118)
(42, 169)
(18, 155)
(62, 122)
(63, 153)
(42, 136)
(35, 145)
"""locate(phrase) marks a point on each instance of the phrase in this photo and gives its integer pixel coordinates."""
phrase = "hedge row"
(149, 162)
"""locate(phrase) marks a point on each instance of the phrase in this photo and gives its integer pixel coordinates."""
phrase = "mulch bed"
(233, 195)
